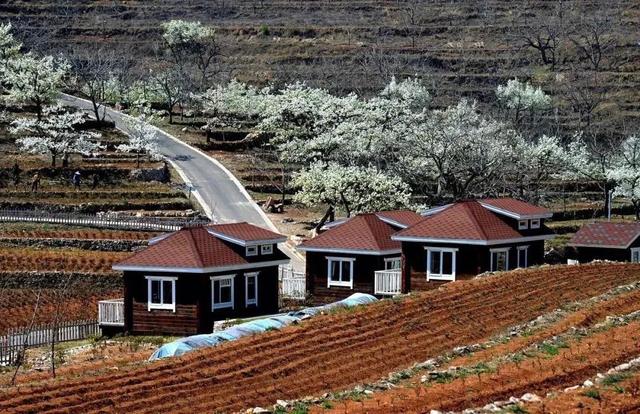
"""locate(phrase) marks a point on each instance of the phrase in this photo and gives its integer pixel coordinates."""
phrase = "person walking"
(76, 180)
(94, 183)
(15, 171)
(35, 182)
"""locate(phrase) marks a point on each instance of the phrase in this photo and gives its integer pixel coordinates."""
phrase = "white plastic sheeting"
(190, 343)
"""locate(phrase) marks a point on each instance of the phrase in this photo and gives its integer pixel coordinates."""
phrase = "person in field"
(15, 171)
(35, 182)
(95, 181)
(76, 180)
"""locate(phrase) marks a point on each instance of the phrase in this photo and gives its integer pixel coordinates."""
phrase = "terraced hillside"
(466, 48)
(489, 317)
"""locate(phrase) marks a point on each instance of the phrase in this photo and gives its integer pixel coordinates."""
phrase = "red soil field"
(580, 360)
(332, 352)
(71, 260)
(18, 306)
(89, 234)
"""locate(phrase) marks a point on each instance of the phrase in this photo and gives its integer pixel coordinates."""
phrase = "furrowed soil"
(71, 260)
(337, 351)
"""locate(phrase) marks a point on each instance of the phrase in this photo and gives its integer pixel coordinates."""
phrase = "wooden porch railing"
(387, 282)
(111, 312)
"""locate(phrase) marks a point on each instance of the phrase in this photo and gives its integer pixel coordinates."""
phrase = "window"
(535, 223)
(161, 292)
(523, 224)
(251, 289)
(635, 255)
(266, 249)
(340, 271)
(499, 260)
(222, 292)
(441, 264)
(523, 259)
(392, 263)
(252, 250)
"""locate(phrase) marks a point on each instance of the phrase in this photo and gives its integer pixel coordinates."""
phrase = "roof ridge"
(475, 220)
(193, 246)
(373, 236)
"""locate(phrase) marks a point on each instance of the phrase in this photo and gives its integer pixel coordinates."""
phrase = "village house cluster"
(185, 281)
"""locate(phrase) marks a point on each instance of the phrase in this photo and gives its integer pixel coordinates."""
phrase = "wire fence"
(16, 340)
(101, 220)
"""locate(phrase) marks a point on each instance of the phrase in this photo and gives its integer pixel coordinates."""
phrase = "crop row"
(329, 352)
(58, 260)
(82, 234)
(21, 307)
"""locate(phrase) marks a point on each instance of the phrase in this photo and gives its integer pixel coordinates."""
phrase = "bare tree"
(595, 36)
(543, 32)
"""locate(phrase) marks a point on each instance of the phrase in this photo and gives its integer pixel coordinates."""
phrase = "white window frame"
(492, 251)
(440, 276)
(330, 282)
(635, 250)
(392, 259)
(164, 306)
(246, 289)
(526, 256)
(251, 250)
(266, 249)
(535, 223)
(224, 305)
(523, 224)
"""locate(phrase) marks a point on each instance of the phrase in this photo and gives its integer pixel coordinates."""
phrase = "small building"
(466, 238)
(356, 255)
(184, 281)
(605, 240)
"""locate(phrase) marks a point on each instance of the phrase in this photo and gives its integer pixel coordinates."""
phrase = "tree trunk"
(345, 203)
(137, 159)
(53, 160)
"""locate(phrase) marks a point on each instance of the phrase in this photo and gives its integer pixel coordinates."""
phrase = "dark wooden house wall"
(363, 269)
(193, 302)
(589, 254)
(471, 260)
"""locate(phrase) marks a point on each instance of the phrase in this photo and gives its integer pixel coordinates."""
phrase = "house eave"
(349, 251)
(599, 246)
(245, 243)
(198, 270)
(472, 241)
(392, 222)
(516, 215)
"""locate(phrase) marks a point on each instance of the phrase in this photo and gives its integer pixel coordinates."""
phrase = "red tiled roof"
(245, 232)
(362, 232)
(404, 217)
(606, 234)
(465, 220)
(516, 207)
(192, 248)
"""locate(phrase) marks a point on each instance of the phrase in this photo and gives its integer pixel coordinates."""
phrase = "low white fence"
(387, 282)
(103, 221)
(293, 284)
(111, 312)
(17, 339)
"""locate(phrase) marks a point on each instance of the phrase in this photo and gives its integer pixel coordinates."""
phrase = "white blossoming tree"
(520, 97)
(356, 189)
(537, 162)
(191, 43)
(625, 172)
(55, 134)
(9, 49)
(143, 138)
(35, 81)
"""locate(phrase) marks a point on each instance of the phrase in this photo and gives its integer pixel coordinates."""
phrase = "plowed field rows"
(21, 259)
(89, 234)
(579, 360)
(18, 307)
(331, 352)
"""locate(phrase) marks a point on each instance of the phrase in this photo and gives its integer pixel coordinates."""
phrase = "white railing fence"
(387, 282)
(111, 312)
(292, 284)
(14, 342)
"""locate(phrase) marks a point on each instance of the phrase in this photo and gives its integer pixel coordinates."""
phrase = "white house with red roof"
(184, 281)
(605, 240)
(356, 254)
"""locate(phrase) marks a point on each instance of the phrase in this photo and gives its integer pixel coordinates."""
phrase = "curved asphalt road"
(220, 194)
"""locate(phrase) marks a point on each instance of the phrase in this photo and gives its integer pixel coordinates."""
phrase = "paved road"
(221, 195)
